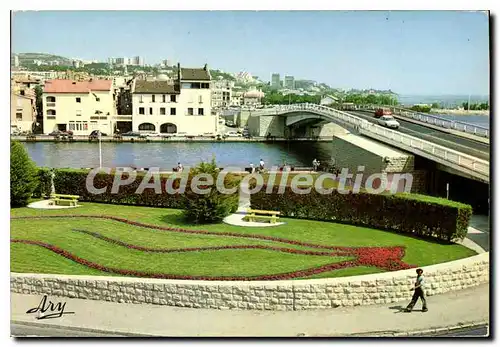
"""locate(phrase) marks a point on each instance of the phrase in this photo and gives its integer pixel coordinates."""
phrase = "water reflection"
(167, 155)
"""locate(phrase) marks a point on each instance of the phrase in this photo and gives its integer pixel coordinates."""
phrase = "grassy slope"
(26, 258)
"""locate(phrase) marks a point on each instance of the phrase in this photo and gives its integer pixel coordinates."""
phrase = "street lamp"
(99, 132)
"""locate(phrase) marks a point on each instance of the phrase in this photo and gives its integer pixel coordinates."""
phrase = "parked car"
(230, 123)
(245, 133)
(383, 112)
(131, 133)
(233, 133)
(95, 133)
(151, 134)
(388, 121)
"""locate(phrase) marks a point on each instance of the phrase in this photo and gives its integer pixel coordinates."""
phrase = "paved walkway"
(445, 310)
(243, 206)
(479, 231)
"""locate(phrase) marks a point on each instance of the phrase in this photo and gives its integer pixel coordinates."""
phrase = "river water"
(478, 120)
(167, 155)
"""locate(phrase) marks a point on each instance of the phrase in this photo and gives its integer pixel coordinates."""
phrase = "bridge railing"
(450, 155)
(436, 120)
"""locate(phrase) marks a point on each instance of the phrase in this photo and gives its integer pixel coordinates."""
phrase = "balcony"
(124, 117)
(51, 104)
(51, 117)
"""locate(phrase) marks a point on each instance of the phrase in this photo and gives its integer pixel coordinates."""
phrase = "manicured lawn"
(74, 236)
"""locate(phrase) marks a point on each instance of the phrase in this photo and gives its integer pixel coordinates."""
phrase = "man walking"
(261, 165)
(419, 292)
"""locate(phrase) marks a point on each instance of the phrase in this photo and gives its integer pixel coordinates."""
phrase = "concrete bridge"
(455, 158)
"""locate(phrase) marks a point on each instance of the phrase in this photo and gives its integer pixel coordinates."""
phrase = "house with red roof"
(78, 106)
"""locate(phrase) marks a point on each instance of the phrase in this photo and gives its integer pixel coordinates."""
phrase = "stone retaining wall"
(382, 288)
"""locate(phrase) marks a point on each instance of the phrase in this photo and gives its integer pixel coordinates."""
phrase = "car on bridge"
(388, 121)
(383, 112)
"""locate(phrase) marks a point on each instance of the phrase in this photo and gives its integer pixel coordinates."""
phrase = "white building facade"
(80, 107)
(179, 106)
(221, 94)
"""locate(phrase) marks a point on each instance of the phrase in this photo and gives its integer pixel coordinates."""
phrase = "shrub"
(44, 186)
(403, 213)
(23, 171)
(211, 207)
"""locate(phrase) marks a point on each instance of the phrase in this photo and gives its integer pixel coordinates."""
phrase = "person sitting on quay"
(261, 165)
(315, 164)
(179, 167)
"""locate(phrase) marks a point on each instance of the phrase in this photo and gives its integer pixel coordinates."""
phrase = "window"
(172, 98)
(51, 112)
(140, 98)
(163, 98)
(172, 111)
(93, 125)
(200, 112)
(150, 110)
(190, 111)
(152, 98)
(19, 115)
(147, 127)
(79, 112)
(97, 99)
(78, 99)
(141, 110)
(51, 99)
(162, 111)
(200, 99)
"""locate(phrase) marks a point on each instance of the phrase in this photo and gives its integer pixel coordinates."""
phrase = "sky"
(409, 52)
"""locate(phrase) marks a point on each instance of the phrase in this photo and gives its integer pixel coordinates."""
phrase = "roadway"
(458, 143)
(21, 330)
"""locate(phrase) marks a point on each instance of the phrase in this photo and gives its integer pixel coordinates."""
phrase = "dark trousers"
(419, 293)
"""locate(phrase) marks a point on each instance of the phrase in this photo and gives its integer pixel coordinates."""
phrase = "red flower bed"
(387, 258)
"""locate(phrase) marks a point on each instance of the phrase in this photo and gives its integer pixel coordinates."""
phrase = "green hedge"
(73, 182)
(403, 213)
(43, 188)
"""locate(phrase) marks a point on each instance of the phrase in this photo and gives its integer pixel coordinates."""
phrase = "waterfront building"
(79, 106)
(289, 82)
(221, 93)
(22, 109)
(275, 81)
(180, 105)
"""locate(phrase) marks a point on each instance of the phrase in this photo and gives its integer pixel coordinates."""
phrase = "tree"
(39, 101)
(435, 105)
(23, 173)
(213, 206)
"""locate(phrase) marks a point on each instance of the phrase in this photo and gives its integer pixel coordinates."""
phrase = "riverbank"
(460, 112)
(83, 138)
